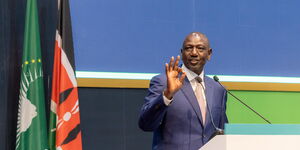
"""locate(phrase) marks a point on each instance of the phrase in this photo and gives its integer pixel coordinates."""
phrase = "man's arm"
(154, 108)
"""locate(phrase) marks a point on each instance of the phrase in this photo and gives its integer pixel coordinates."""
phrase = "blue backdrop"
(249, 37)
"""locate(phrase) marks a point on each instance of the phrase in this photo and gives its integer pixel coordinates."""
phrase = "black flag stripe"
(72, 135)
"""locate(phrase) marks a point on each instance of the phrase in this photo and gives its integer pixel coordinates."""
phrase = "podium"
(257, 137)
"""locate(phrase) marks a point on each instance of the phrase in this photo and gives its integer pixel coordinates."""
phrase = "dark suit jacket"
(179, 126)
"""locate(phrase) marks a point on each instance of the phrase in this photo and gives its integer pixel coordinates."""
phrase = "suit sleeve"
(154, 108)
(224, 118)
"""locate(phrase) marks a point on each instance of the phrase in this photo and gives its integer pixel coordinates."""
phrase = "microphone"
(217, 80)
(218, 130)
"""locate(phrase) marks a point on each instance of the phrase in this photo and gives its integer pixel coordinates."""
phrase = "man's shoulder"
(160, 78)
(211, 82)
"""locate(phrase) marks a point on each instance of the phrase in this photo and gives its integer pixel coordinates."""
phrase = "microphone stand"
(218, 130)
(217, 80)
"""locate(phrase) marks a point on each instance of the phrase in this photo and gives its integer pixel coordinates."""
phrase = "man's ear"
(209, 53)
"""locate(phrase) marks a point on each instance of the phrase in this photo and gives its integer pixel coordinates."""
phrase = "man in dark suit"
(184, 108)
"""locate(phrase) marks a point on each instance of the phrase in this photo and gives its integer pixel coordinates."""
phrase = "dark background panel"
(4, 34)
(9, 57)
(109, 119)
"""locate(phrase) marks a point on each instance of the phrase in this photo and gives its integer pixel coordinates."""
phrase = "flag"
(64, 128)
(31, 124)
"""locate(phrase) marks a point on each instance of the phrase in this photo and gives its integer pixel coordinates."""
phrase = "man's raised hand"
(175, 77)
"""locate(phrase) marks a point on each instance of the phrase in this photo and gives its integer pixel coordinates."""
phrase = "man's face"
(195, 52)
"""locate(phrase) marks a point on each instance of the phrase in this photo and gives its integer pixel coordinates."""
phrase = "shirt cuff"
(166, 100)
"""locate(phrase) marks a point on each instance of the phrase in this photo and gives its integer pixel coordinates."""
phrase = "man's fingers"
(183, 75)
(176, 62)
(167, 67)
(171, 63)
(179, 70)
(177, 59)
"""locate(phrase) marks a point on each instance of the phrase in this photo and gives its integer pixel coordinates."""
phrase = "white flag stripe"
(66, 63)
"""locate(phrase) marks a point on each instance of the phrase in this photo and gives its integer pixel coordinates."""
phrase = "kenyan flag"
(65, 131)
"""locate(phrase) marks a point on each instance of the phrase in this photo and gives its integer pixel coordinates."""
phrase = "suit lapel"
(189, 94)
(209, 99)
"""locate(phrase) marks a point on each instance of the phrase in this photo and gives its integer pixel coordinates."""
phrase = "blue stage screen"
(248, 37)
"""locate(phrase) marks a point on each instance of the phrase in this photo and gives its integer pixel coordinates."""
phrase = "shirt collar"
(192, 75)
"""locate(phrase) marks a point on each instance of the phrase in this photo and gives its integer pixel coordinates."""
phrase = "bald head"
(197, 35)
